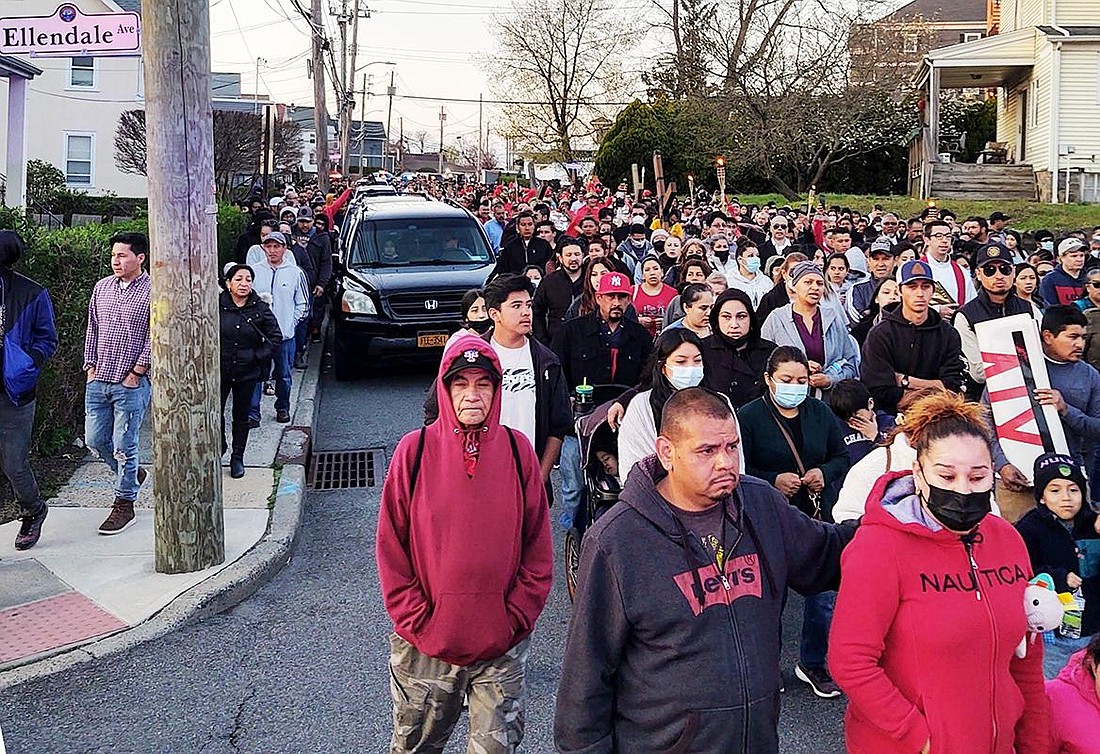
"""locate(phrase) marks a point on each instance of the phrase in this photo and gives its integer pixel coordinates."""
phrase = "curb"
(234, 583)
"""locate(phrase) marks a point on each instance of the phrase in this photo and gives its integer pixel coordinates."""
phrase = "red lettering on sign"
(1008, 430)
(996, 363)
(1020, 391)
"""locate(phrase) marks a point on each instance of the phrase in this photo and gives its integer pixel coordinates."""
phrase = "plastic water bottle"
(1071, 621)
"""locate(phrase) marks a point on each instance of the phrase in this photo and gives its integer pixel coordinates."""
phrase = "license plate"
(431, 339)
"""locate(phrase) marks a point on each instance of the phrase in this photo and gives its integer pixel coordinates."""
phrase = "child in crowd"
(1054, 532)
(862, 426)
(1075, 703)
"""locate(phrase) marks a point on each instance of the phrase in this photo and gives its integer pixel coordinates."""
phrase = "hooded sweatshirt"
(925, 631)
(661, 655)
(1074, 709)
(931, 350)
(465, 562)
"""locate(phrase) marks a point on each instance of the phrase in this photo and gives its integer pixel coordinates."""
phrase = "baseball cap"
(999, 217)
(882, 246)
(1070, 244)
(992, 252)
(614, 282)
(275, 237)
(914, 270)
(305, 213)
(471, 358)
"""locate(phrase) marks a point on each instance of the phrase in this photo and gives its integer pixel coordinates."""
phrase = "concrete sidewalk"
(77, 589)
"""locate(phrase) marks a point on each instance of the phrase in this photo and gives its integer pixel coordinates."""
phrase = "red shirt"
(653, 306)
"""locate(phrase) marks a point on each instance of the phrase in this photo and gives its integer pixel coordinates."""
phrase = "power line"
(504, 101)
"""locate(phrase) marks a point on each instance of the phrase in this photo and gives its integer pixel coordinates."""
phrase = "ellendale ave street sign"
(68, 32)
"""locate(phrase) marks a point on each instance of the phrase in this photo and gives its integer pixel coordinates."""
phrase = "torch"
(691, 187)
(720, 170)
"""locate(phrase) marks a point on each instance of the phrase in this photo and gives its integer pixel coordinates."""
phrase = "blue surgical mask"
(685, 377)
(790, 395)
(752, 264)
(1046, 245)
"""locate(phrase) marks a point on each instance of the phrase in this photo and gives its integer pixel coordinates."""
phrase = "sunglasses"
(989, 270)
(1093, 284)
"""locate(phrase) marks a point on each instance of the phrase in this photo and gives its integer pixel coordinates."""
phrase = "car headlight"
(355, 302)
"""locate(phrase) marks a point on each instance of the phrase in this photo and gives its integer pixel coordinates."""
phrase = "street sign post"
(70, 33)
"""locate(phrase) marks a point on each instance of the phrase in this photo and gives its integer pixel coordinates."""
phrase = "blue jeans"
(1057, 651)
(572, 480)
(817, 616)
(284, 360)
(113, 414)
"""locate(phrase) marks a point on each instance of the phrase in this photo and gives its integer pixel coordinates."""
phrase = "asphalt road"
(301, 665)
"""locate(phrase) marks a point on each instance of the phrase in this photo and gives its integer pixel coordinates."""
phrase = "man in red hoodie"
(465, 561)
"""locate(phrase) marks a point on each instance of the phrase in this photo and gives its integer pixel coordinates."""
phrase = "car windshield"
(421, 241)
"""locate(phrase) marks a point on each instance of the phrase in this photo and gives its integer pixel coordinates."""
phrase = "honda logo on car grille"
(431, 304)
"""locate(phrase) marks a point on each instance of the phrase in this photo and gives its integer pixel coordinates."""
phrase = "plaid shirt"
(118, 328)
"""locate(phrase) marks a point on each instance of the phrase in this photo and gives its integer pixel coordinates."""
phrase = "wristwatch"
(905, 381)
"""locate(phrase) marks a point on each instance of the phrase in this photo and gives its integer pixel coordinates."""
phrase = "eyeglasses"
(939, 236)
(1093, 284)
(989, 270)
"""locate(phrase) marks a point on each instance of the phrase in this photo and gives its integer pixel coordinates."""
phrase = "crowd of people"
(802, 406)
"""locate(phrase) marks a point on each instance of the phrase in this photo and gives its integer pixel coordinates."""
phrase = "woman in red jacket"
(931, 605)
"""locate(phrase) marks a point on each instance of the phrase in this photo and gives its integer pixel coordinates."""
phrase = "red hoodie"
(923, 654)
(1074, 709)
(466, 564)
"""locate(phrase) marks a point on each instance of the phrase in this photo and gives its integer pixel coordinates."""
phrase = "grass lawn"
(1026, 215)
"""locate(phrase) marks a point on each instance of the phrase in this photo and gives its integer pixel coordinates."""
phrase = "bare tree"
(559, 60)
(419, 138)
(237, 144)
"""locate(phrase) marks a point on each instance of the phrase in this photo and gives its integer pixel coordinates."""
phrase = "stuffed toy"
(1044, 608)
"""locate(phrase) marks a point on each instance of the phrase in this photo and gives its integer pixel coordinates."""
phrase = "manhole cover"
(347, 469)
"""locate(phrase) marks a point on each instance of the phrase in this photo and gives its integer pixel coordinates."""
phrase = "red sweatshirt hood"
(893, 503)
(461, 349)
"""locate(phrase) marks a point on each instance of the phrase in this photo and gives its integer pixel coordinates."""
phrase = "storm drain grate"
(347, 469)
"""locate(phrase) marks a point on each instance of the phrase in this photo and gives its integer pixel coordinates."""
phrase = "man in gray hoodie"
(283, 285)
(675, 638)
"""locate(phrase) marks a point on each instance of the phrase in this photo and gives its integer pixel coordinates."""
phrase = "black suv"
(405, 263)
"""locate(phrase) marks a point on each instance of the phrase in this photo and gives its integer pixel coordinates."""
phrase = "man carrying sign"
(1074, 391)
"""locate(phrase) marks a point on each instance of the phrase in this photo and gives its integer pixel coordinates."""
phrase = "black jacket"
(1052, 549)
(930, 351)
(249, 335)
(514, 256)
(776, 298)
(553, 412)
(736, 373)
(661, 657)
(767, 454)
(246, 240)
(585, 354)
(982, 309)
(315, 259)
(552, 300)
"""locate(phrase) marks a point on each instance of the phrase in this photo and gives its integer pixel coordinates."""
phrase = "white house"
(73, 107)
(1045, 64)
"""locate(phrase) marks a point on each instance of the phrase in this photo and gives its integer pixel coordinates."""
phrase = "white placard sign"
(1014, 370)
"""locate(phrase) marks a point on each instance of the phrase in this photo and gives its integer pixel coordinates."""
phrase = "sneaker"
(253, 423)
(269, 388)
(300, 362)
(120, 518)
(283, 417)
(819, 680)
(31, 529)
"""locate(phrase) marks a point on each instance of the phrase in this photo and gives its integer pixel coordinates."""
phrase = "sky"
(435, 45)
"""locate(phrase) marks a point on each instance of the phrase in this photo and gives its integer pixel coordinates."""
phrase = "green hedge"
(68, 262)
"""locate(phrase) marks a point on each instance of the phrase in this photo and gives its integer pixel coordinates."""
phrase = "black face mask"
(956, 511)
(481, 326)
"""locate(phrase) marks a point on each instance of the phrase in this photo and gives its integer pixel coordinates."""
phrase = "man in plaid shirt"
(117, 359)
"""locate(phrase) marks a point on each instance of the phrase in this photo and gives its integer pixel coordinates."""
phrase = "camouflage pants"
(428, 694)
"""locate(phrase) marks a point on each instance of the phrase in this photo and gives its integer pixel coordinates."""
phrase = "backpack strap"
(416, 462)
(519, 465)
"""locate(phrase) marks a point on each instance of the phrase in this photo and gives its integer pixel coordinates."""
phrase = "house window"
(970, 36)
(79, 149)
(82, 73)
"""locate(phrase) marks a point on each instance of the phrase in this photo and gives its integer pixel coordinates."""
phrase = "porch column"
(16, 191)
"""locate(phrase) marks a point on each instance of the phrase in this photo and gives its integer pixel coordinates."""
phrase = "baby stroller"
(599, 462)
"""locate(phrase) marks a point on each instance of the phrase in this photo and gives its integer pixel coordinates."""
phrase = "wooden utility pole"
(189, 529)
(390, 91)
(320, 108)
(349, 91)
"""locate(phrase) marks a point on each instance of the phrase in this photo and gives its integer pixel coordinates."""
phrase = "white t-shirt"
(517, 391)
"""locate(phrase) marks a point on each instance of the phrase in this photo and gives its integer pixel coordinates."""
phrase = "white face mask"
(685, 377)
